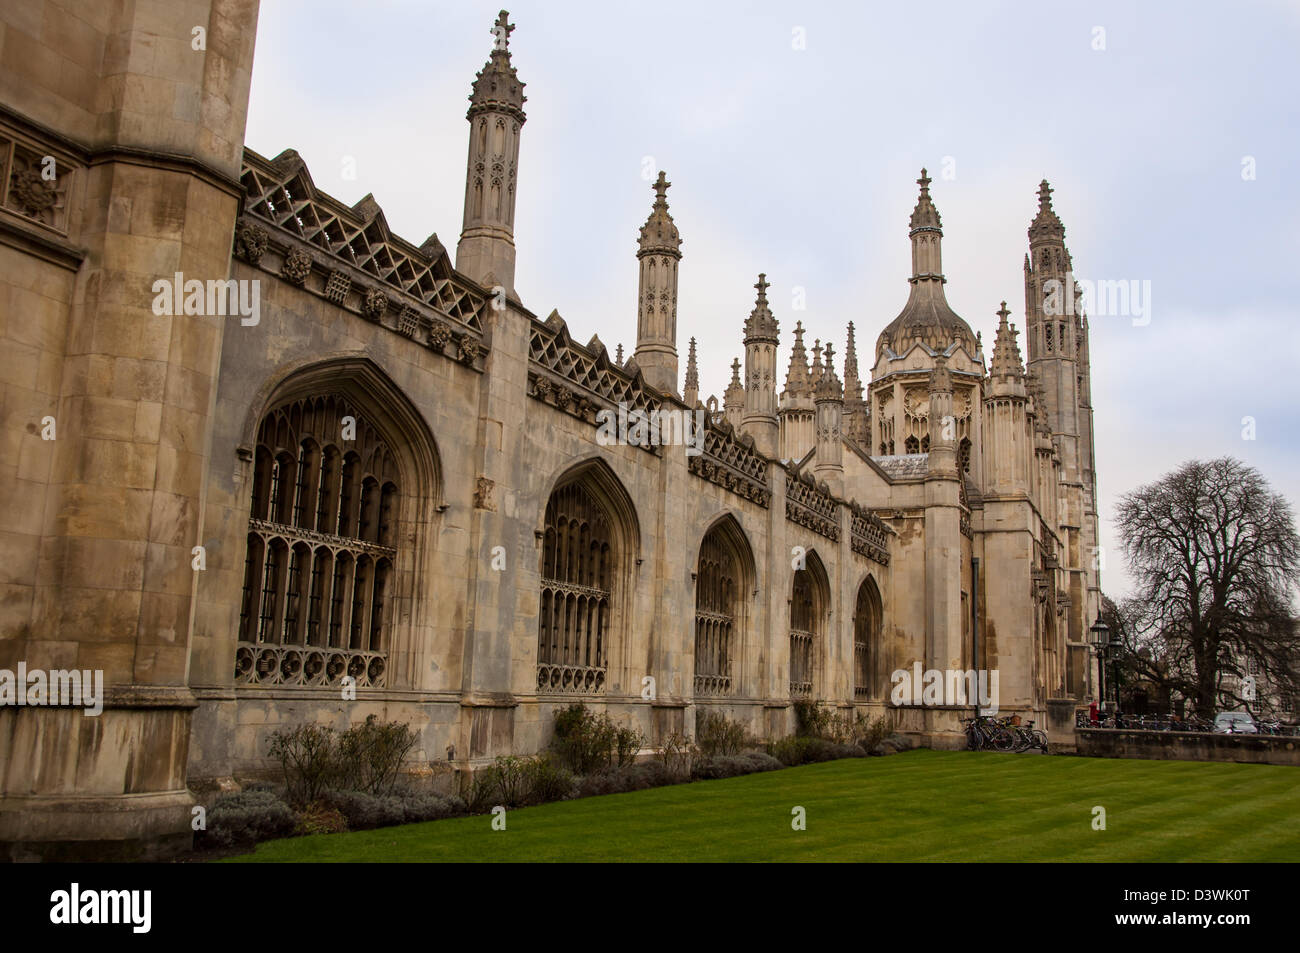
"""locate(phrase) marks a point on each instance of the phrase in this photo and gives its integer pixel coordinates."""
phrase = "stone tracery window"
(867, 624)
(321, 548)
(577, 589)
(803, 623)
(717, 587)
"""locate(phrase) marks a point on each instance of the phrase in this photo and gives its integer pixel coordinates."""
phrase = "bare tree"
(1216, 558)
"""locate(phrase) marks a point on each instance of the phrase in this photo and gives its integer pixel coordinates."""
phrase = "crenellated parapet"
(868, 534)
(811, 505)
(730, 460)
(582, 380)
(348, 256)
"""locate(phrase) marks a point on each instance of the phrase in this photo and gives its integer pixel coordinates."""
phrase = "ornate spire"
(692, 392)
(659, 235)
(1046, 225)
(1006, 352)
(733, 398)
(761, 325)
(828, 385)
(486, 251)
(618, 355)
(925, 215)
(797, 381)
(496, 86)
(852, 383)
(926, 317)
(658, 252)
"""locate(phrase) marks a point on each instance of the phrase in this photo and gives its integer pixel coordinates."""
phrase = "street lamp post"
(1099, 636)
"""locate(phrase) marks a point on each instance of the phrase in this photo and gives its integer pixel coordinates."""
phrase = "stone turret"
(926, 317)
(486, 252)
(658, 251)
(762, 334)
(797, 412)
(1007, 429)
(829, 398)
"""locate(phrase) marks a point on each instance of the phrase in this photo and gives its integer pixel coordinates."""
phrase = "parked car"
(1235, 723)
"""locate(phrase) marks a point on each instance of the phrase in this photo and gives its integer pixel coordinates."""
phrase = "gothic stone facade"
(395, 476)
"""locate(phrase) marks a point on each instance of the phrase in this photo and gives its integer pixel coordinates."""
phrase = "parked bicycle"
(1000, 734)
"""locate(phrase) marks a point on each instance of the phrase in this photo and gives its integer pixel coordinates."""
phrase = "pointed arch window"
(320, 549)
(576, 597)
(867, 626)
(803, 632)
(717, 593)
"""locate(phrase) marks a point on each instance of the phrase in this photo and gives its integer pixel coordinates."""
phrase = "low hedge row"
(590, 756)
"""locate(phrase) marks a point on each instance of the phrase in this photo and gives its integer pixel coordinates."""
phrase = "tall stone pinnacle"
(797, 382)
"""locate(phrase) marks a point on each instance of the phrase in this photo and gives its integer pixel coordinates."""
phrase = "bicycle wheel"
(1040, 739)
(1003, 739)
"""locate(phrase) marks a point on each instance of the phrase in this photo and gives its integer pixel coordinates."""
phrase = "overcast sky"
(801, 162)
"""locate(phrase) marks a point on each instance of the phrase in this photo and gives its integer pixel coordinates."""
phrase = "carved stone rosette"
(296, 267)
(374, 303)
(250, 242)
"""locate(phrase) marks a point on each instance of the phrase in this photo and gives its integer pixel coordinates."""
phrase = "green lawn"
(919, 806)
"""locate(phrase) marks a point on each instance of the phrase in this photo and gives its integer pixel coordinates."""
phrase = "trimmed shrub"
(367, 811)
(733, 765)
(872, 733)
(547, 780)
(632, 777)
(244, 818)
(370, 755)
(366, 757)
(649, 774)
(479, 791)
(789, 751)
(758, 761)
(319, 818)
(676, 752)
(715, 734)
(586, 742)
(628, 743)
(307, 755)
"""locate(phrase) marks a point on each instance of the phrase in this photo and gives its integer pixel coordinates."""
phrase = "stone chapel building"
(393, 479)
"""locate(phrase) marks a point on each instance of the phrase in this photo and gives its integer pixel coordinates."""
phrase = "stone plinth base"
(106, 787)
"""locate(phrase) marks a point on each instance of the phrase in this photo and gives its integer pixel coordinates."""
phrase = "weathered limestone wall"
(463, 650)
(150, 131)
(1187, 746)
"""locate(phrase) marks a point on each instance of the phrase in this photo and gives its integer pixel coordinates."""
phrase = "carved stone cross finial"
(924, 182)
(502, 30)
(762, 286)
(662, 185)
(1045, 195)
